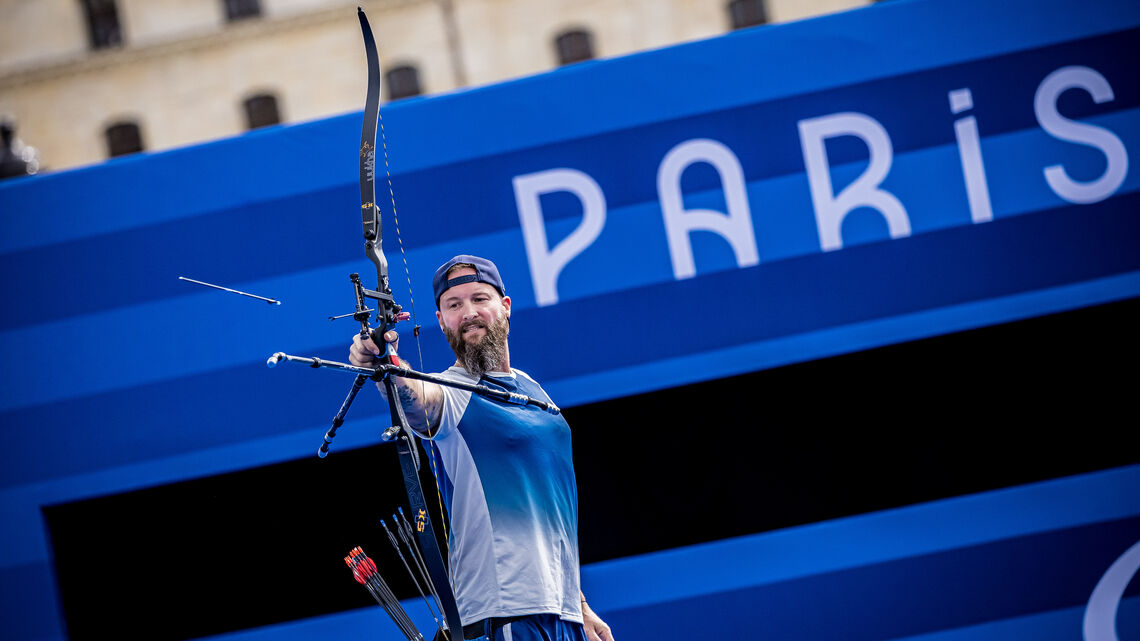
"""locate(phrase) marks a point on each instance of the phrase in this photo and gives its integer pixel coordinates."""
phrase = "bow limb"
(387, 311)
(370, 214)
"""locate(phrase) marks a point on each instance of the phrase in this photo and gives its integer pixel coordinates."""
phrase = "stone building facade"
(89, 79)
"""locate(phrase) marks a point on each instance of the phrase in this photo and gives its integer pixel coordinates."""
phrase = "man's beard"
(488, 354)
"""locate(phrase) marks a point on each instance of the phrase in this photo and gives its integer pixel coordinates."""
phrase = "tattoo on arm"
(422, 403)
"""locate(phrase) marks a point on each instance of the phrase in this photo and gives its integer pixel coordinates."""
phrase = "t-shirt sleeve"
(454, 404)
(545, 397)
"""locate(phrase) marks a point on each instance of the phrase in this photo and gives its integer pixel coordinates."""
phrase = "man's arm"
(596, 629)
(422, 401)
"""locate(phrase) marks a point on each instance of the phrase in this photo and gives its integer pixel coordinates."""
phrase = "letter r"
(830, 209)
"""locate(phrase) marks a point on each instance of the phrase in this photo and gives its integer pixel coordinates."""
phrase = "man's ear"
(507, 305)
(439, 317)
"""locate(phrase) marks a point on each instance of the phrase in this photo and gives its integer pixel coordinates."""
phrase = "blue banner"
(767, 197)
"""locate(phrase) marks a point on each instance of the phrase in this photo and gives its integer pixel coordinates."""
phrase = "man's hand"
(596, 629)
(365, 353)
(422, 401)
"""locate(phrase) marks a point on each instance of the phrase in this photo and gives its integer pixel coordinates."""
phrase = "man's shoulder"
(457, 373)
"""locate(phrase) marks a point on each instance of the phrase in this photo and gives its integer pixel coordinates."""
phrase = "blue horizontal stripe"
(881, 280)
(160, 420)
(785, 228)
(1056, 625)
(256, 403)
(880, 538)
(857, 284)
(298, 232)
(740, 359)
(235, 245)
(141, 190)
(961, 587)
(201, 331)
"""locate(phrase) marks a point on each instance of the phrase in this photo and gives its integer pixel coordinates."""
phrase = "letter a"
(735, 227)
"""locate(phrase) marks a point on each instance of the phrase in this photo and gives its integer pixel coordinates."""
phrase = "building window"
(747, 13)
(102, 23)
(123, 138)
(261, 111)
(574, 46)
(403, 82)
(241, 9)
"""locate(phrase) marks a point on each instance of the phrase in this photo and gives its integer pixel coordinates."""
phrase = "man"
(507, 473)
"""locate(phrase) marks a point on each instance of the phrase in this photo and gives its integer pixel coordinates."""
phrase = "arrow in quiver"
(366, 573)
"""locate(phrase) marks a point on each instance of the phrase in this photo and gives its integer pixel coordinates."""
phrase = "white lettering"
(1100, 614)
(970, 154)
(864, 191)
(546, 264)
(1045, 107)
(735, 226)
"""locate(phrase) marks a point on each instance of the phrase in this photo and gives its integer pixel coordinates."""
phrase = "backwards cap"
(485, 272)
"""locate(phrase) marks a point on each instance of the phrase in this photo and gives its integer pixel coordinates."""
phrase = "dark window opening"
(747, 13)
(403, 82)
(241, 9)
(261, 111)
(103, 28)
(574, 46)
(123, 138)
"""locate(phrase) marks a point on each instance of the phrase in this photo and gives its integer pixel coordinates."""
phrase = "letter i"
(970, 153)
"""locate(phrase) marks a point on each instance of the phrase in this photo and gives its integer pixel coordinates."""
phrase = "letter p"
(547, 263)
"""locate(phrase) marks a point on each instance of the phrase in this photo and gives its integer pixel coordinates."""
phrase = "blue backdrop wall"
(770, 196)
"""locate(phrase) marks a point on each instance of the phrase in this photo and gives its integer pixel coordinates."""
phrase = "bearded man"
(507, 474)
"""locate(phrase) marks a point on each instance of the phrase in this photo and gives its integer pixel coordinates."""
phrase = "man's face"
(474, 318)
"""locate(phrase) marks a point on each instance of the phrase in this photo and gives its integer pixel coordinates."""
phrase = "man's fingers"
(363, 351)
(366, 345)
(598, 631)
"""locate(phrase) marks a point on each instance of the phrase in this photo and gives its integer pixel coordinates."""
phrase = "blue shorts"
(537, 627)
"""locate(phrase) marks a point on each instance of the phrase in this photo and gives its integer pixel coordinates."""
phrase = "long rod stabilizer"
(382, 370)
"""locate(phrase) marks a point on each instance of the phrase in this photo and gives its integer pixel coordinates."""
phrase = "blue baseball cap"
(485, 272)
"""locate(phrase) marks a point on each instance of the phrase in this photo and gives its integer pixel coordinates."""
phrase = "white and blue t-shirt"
(508, 484)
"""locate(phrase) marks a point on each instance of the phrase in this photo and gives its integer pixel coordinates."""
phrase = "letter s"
(1045, 108)
(1100, 614)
